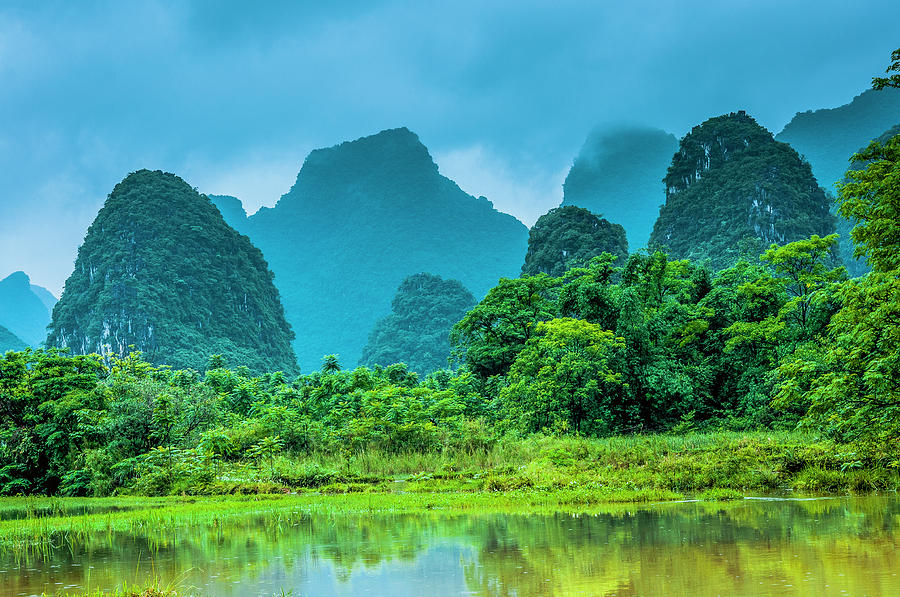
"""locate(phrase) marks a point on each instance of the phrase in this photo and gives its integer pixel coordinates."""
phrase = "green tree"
(802, 279)
(892, 80)
(490, 336)
(850, 380)
(562, 379)
(266, 450)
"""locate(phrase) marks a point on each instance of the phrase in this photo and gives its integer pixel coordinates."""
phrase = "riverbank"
(536, 474)
(695, 462)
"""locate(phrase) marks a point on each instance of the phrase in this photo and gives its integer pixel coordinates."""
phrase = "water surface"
(840, 546)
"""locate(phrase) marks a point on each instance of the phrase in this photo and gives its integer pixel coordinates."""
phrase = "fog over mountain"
(504, 95)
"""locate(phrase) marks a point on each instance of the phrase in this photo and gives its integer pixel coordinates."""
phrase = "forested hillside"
(618, 174)
(25, 308)
(571, 236)
(417, 331)
(733, 190)
(828, 137)
(161, 272)
(9, 341)
(361, 217)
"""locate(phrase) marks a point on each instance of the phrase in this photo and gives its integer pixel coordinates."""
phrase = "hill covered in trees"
(25, 308)
(9, 341)
(417, 332)
(571, 236)
(732, 189)
(361, 217)
(618, 173)
(161, 271)
(828, 137)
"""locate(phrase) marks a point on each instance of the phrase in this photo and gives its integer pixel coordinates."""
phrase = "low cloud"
(517, 189)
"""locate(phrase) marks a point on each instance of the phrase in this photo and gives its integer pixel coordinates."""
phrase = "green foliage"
(490, 336)
(161, 272)
(892, 80)
(417, 332)
(568, 237)
(849, 379)
(561, 379)
(731, 183)
(870, 198)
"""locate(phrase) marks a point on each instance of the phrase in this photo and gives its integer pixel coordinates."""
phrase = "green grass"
(689, 463)
(533, 475)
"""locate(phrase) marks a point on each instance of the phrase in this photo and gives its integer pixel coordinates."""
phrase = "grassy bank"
(642, 463)
(537, 474)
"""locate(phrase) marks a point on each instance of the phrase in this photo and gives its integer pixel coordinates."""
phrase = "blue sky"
(232, 96)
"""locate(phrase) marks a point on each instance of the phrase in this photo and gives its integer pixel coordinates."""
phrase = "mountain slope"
(571, 236)
(732, 188)
(361, 217)
(162, 272)
(23, 311)
(828, 137)
(417, 332)
(9, 341)
(618, 174)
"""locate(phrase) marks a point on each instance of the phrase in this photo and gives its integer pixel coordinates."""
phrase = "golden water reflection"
(845, 546)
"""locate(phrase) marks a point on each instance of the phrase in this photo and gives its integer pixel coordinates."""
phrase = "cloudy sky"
(232, 96)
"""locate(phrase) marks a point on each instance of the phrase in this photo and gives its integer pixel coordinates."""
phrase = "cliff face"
(732, 188)
(361, 217)
(161, 272)
(618, 174)
(25, 308)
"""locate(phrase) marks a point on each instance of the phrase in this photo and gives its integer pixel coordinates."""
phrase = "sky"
(232, 96)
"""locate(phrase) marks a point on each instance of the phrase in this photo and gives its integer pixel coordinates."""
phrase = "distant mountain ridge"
(829, 136)
(25, 308)
(9, 341)
(362, 216)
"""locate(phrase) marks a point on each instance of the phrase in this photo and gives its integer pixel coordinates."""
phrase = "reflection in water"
(836, 546)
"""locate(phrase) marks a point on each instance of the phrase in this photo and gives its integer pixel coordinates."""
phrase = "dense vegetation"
(25, 308)
(361, 217)
(654, 345)
(559, 378)
(417, 332)
(732, 188)
(618, 173)
(161, 272)
(568, 236)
